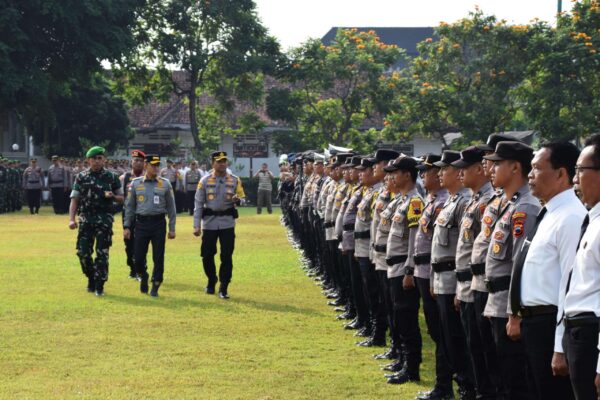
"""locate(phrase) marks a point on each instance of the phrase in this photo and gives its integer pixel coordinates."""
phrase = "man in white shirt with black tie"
(543, 263)
(581, 313)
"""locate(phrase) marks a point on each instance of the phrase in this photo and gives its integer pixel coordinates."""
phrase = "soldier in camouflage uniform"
(92, 196)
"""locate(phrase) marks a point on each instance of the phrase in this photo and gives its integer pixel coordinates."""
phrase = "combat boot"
(91, 286)
(210, 287)
(154, 291)
(223, 291)
(144, 284)
(100, 288)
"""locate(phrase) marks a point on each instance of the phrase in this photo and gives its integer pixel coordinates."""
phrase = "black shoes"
(100, 288)
(436, 394)
(395, 366)
(372, 342)
(154, 291)
(363, 332)
(91, 286)
(354, 324)
(144, 285)
(210, 287)
(390, 354)
(223, 292)
(403, 377)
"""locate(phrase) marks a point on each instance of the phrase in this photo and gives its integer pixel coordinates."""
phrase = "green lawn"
(274, 339)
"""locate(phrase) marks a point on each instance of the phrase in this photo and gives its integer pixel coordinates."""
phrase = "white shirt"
(584, 290)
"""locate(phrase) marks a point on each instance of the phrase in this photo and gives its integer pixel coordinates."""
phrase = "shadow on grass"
(170, 303)
(283, 308)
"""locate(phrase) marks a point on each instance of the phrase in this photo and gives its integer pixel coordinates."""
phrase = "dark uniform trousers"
(34, 197)
(537, 334)
(388, 308)
(406, 321)
(580, 345)
(483, 381)
(150, 229)
(189, 198)
(512, 363)
(358, 297)
(487, 341)
(58, 200)
(373, 298)
(130, 248)
(335, 267)
(208, 249)
(443, 374)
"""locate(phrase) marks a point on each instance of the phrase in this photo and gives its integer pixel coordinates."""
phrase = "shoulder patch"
(518, 215)
(518, 228)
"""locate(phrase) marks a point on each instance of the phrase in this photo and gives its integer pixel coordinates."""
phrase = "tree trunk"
(192, 110)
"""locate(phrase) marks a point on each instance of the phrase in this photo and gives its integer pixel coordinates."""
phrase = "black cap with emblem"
(153, 159)
(385, 155)
(469, 156)
(403, 163)
(448, 157)
(493, 140)
(218, 156)
(428, 161)
(516, 151)
(367, 162)
(352, 162)
(341, 158)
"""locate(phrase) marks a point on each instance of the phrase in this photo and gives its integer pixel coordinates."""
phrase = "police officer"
(58, 183)
(216, 197)
(443, 264)
(33, 183)
(173, 176)
(137, 170)
(519, 209)
(93, 194)
(190, 181)
(148, 200)
(473, 177)
(400, 261)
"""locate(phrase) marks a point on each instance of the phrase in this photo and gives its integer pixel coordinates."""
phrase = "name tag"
(156, 200)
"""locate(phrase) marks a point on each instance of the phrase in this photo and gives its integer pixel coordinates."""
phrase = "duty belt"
(421, 259)
(478, 269)
(588, 318)
(396, 260)
(537, 310)
(444, 266)
(156, 217)
(207, 212)
(329, 224)
(497, 284)
(464, 276)
(362, 235)
(348, 227)
(380, 248)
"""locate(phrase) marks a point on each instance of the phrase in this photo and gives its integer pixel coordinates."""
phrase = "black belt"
(588, 318)
(396, 260)
(464, 276)
(444, 266)
(537, 310)
(156, 217)
(329, 224)
(348, 227)
(498, 284)
(478, 269)
(208, 212)
(362, 235)
(191, 183)
(422, 259)
(380, 248)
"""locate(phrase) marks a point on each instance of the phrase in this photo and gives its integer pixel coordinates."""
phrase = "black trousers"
(484, 328)
(58, 195)
(453, 338)
(180, 204)
(406, 321)
(443, 373)
(189, 198)
(537, 334)
(388, 308)
(512, 362)
(146, 232)
(34, 200)
(334, 268)
(373, 297)
(581, 348)
(208, 250)
(481, 375)
(358, 297)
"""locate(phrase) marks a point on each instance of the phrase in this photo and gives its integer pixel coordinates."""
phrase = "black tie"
(586, 222)
(515, 287)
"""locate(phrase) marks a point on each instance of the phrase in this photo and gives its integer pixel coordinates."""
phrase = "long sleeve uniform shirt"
(149, 197)
(216, 192)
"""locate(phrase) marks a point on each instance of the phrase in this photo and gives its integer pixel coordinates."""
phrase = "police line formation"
(499, 243)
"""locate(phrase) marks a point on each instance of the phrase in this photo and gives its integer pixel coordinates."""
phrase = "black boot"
(99, 287)
(154, 291)
(408, 373)
(436, 394)
(91, 286)
(223, 291)
(144, 284)
(210, 287)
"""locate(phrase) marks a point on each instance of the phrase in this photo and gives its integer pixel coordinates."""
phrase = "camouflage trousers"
(3, 198)
(95, 230)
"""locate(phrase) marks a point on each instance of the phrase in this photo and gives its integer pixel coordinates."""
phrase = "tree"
(561, 95)
(46, 46)
(334, 89)
(221, 45)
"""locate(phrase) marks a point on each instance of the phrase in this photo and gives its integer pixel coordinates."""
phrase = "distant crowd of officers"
(19, 184)
(499, 243)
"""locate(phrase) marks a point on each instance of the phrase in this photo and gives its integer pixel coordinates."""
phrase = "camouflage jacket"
(90, 188)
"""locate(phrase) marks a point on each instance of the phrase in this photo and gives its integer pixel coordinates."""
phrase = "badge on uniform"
(140, 198)
(488, 220)
(519, 228)
(487, 231)
(156, 200)
(499, 235)
(496, 248)
(211, 197)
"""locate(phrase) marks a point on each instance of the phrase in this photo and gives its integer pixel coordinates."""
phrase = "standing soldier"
(3, 185)
(191, 179)
(149, 199)
(265, 177)
(443, 264)
(216, 197)
(473, 177)
(58, 182)
(93, 194)
(137, 170)
(33, 183)
(519, 209)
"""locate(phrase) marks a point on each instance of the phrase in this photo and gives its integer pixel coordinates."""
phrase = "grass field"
(274, 339)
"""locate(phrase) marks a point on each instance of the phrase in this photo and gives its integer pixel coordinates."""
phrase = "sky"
(294, 21)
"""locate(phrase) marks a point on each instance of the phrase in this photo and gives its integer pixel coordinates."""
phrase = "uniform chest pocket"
(443, 223)
(499, 242)
(468, 228)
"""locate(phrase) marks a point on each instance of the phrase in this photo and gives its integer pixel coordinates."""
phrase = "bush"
(251, 190)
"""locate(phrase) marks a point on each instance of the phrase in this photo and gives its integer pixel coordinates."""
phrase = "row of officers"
(499, 243)
(60, 176)
(148, 201)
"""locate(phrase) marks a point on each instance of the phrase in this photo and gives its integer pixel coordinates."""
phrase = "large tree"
(221, 45)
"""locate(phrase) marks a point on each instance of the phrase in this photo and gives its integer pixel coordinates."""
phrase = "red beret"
(138, 153)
